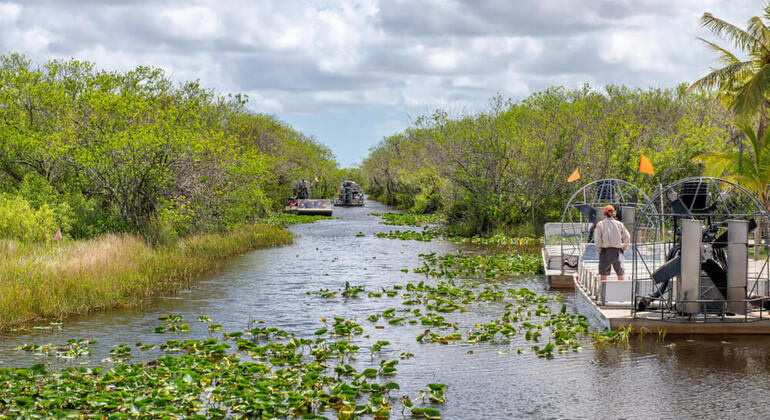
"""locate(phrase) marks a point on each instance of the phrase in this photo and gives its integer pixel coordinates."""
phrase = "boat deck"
(609, 303)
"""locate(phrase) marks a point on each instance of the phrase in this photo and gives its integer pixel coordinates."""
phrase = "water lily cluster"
(479, 265)
(264, 372)
(408, 219)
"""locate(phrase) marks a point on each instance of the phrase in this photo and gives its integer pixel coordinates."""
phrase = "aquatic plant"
(285, 219)
(426, 235)
(479, 265)
(521, 244)
(613, 338)
(72, 349)
(408, 219)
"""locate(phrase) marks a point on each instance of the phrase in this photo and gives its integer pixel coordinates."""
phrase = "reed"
(52, 280)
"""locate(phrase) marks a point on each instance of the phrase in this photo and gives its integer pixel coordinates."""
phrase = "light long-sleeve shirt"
(611, 233)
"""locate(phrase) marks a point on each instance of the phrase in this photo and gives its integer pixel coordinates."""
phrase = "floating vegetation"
(426, 235)
(285, 376)
(408, 219)
(285, 219)
(119, 353)
(347, 291)
(360, 235)
(613, 338)
(171, 318)
(524, 244)
(50, 326)
(72, 349)
(376, 347)
(478, 266)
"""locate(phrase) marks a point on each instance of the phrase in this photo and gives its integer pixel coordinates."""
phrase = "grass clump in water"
(521, 244)
(426, 235)
(408, 219)
(54, 279)
(489, 266)
(285, 219)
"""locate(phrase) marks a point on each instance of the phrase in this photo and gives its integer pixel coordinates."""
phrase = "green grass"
(52, 280)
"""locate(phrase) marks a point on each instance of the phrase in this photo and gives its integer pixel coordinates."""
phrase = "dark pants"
(610, 257)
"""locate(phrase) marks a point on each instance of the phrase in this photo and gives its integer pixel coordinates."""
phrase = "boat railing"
(754, 309)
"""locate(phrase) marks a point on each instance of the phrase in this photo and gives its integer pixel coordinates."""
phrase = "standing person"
(611, 238)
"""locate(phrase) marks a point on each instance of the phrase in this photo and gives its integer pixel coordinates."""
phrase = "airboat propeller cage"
(586, 208)
(692, 252)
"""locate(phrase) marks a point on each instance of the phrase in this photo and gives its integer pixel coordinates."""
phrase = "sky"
(349, 72)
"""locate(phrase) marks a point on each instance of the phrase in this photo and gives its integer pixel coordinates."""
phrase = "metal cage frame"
(614, 191)
(657, 235)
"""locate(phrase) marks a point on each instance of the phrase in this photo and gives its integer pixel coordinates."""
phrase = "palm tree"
(743, 85)
(751, 171)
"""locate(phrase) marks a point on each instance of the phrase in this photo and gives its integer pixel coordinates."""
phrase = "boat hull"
(311, 207)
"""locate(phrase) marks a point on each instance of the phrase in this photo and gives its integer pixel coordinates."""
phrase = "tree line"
(90, 151)
(506, 168)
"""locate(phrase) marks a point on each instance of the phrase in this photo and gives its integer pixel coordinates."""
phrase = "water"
(684, 377)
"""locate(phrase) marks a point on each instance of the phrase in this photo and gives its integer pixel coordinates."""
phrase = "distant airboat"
(301, 203)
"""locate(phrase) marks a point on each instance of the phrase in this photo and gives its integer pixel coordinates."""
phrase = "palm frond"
(751, 95)
(718, 164)
(725, 56)
(748, 131)
(759, 31)
(739, 37)
(750, 183)
(723, 77)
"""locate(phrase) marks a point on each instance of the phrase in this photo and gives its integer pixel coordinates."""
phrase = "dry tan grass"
(51, 280)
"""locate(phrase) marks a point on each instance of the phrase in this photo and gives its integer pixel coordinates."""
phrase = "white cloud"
(411, 56)
(195, 23)
(9, 12)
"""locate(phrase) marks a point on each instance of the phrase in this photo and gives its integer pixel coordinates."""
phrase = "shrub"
(18, 220)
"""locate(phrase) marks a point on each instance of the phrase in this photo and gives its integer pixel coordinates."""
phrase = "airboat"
(350, 194)
(697, 263)
(301, 203)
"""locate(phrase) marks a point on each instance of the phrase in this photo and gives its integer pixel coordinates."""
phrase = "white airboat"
(696, 264)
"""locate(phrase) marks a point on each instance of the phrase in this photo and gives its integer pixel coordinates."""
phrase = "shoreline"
(50, 281)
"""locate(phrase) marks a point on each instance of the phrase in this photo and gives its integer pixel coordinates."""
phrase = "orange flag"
(645, 166)
(574, 177)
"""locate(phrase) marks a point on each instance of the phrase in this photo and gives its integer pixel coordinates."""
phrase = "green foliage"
(507, 166)
(132, 151)
(749, 168)
(742, 84)
(18, 220)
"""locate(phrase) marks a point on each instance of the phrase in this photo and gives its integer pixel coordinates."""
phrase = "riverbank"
(55, 279)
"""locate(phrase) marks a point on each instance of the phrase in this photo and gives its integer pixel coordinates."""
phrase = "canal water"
(684, 377)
